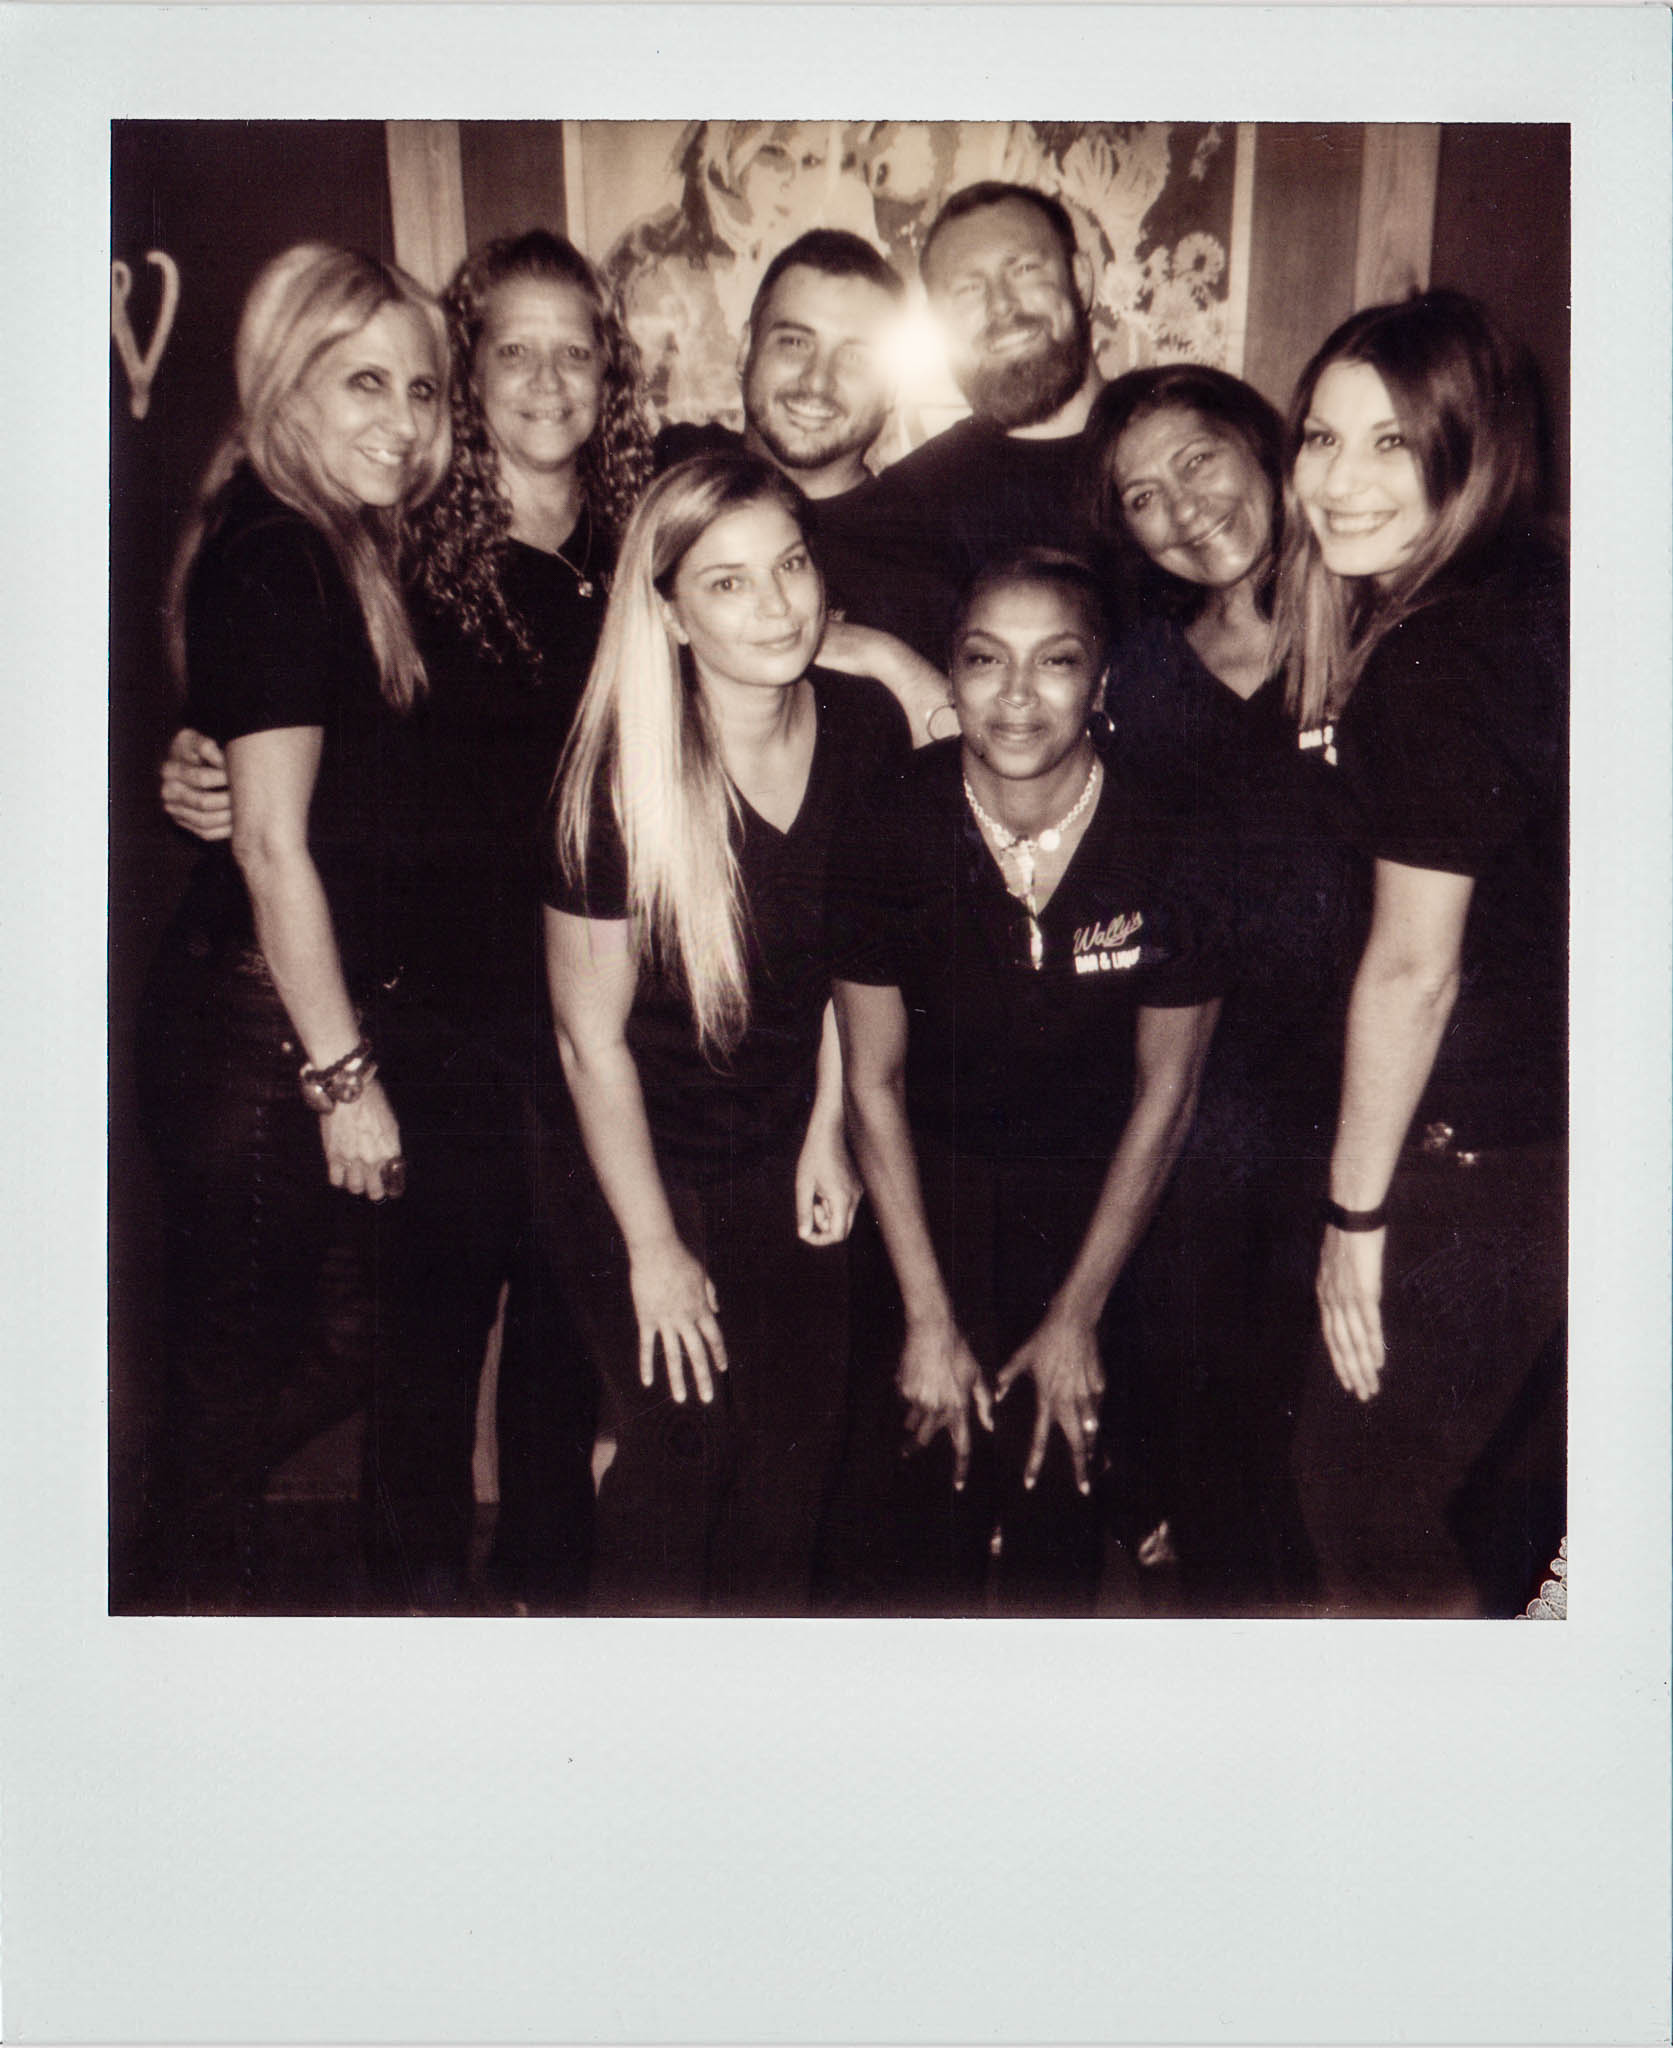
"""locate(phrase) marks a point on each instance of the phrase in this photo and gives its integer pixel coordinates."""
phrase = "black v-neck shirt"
(708, 1115)
(1005, 1059)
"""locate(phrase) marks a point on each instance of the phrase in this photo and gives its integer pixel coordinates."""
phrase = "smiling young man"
(1012, 291)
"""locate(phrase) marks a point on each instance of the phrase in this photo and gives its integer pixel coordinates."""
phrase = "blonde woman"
(296, 657)
(710, 771)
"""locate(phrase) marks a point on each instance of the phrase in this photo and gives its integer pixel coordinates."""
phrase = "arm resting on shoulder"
(271, 776)
(1062, 1354)
(939, 1376)
(1403, 994)
(917, 685)
(593, 975)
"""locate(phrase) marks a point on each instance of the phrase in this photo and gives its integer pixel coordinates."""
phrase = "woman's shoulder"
(1506, 602)
(863, 716)
(254, 539)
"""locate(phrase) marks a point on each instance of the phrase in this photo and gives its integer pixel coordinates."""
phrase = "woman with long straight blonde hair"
(297, 658)
(709, 774)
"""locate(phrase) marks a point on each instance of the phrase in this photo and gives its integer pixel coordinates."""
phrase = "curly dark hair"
(461, 538)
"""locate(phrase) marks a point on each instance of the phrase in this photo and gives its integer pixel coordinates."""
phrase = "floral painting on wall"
(685, 217)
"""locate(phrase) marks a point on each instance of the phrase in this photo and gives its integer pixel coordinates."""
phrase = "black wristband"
(1353, 1219)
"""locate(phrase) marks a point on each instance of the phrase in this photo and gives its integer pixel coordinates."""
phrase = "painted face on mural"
(817, 382)
(370, 405)
(1014, 310)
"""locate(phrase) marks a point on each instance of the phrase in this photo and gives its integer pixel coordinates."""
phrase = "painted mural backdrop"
(685, 217)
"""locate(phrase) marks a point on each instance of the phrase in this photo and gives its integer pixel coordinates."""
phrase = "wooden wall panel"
(1502, 234)
(513, 178)
(1305, 236)
(426, 198)
(1396, 211)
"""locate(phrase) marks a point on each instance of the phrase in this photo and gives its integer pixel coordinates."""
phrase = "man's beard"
(1023, 390)
(849, 437)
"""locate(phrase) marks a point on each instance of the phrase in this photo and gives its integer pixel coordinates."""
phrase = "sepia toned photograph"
(839, 874)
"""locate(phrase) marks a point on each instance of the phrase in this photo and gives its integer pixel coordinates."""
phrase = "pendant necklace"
(1026, 849)
(584, 585)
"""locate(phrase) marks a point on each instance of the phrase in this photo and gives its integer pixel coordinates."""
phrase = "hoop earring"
(1100, 726)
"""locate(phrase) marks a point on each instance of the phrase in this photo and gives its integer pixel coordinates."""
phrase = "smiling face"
(1026, 665)
(1019, 341)
(816, 382)
(747, 600)
(1194, 497)
(1356, 477)
(539, 372)
(370, 406)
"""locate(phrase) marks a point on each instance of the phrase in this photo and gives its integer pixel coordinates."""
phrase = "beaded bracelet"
(323, 1088)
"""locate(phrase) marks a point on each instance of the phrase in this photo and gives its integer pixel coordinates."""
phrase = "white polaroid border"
(490, 1831)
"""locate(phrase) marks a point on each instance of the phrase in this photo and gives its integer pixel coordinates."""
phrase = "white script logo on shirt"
(1102, 948)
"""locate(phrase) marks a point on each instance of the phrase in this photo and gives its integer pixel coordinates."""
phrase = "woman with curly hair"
(510, 571)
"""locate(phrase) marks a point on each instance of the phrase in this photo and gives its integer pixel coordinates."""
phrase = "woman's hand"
(1350, 1294)
(193, 785)
(674, 1300)
(363, 1146)
(828, 1189)
(1062, 1357)
(939, 1379)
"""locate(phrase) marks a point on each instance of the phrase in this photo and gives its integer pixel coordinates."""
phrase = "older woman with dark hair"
(1425, 622)
(1190, 471)
(296, 656)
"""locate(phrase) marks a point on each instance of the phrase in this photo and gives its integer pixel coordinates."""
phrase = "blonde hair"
(302, 302)
(1468, 406)
(643, 733)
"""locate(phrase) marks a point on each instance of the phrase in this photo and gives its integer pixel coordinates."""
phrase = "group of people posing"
(924, 993)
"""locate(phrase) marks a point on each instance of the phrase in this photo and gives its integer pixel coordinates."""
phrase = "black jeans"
(479, 1213)
(713, 1508)
(259, 1252)
(1450, 1485)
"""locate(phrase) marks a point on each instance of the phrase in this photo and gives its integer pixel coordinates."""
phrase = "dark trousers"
(481, 1211)
(1446, 1494)
(900, 1540)
(1226, 1316)
(263, 1265)
(289, 1304)
(713, 1508)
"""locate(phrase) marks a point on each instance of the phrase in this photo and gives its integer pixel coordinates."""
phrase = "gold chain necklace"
(1026, 849)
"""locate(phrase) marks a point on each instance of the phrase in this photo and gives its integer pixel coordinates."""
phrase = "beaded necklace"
(1025, 849)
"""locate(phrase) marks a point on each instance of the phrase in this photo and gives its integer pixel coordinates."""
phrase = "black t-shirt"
(913, 537)
(484, 745)
(1277, 820)
(1005, 1059)
(1455, 745)
(708, 1116)
(275, 638)
(834, 528)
